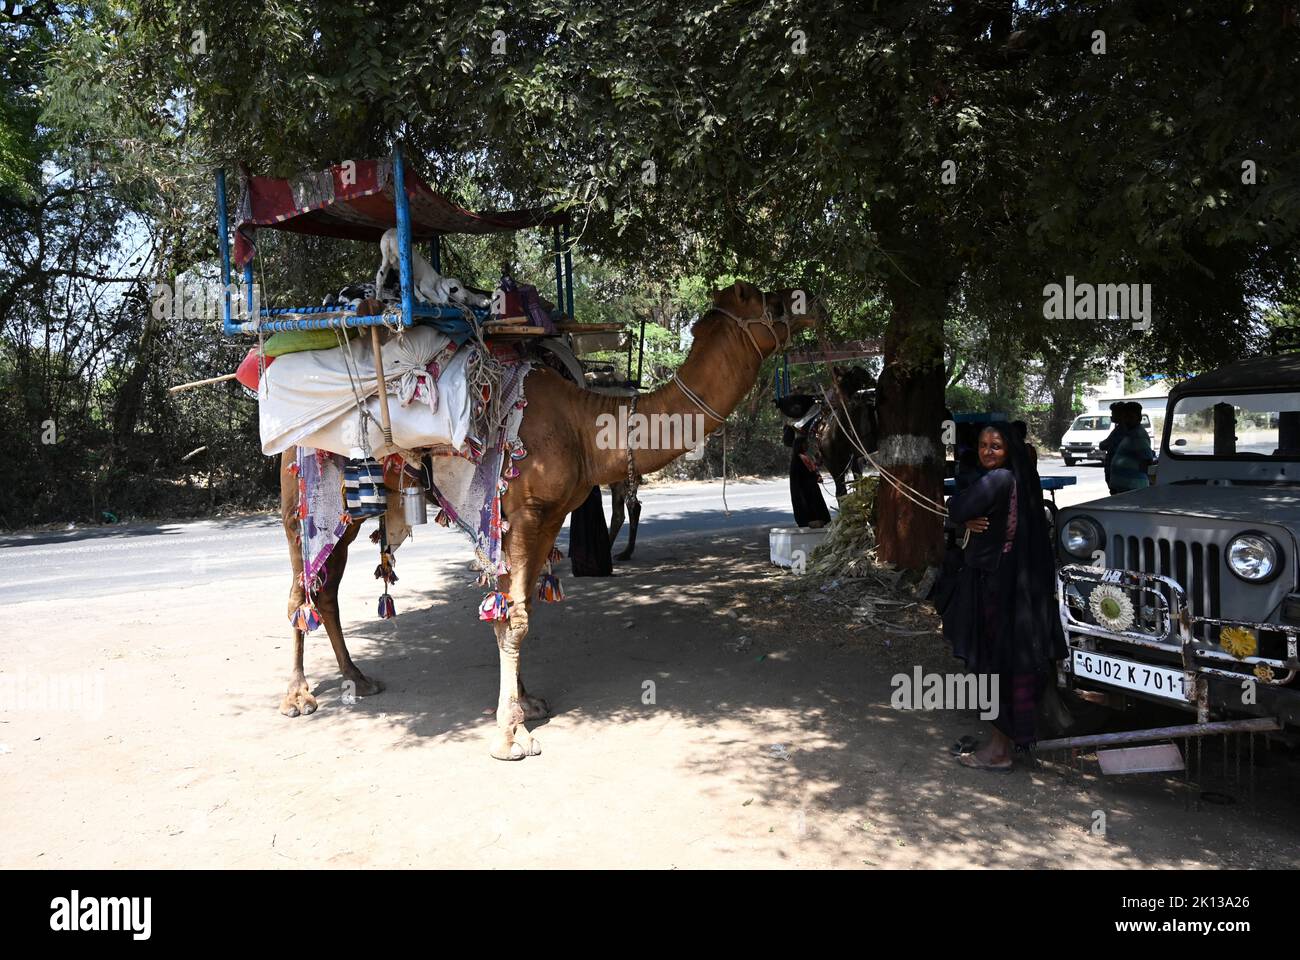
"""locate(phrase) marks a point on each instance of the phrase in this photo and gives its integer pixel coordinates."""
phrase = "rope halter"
(768, 322)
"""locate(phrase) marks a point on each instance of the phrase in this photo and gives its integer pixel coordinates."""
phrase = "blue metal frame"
(403, 237)
(450, 319)
(223, 243)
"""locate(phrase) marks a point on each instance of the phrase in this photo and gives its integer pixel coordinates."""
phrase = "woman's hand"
(977, 524)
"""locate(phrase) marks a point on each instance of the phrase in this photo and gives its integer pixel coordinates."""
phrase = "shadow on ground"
(687, 663)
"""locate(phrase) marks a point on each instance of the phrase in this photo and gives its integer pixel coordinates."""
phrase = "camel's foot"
(298, 700)
(362, 686)
(512, 740)
(515, 745)
(624, 556)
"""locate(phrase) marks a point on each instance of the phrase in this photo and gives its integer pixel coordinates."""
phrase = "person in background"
(1107, 446)
(1132, 454)
(805, 482)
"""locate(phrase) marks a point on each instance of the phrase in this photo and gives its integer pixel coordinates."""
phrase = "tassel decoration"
(549, 589)
(442, 519)
(305, 618)
(384, 571)
(518, 452)
(556, 555)
(387, 610)
(495, 606)
(511, 472)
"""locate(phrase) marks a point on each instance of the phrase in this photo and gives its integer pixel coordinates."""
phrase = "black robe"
(589, 539)
(805, 487)
(1003, 616)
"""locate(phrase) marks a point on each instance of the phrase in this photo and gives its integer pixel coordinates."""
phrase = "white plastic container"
(785, 542)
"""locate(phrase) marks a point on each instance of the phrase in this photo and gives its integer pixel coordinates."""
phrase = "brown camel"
(559, 429)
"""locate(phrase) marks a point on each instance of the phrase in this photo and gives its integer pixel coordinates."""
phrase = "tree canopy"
(925, 168)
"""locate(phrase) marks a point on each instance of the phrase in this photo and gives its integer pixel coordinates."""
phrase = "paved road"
(1090, 485)
(94, 561)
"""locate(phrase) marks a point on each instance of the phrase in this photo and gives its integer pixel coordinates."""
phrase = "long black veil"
(1038, 637)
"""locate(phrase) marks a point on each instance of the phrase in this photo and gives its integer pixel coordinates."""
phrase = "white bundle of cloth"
(309, 399)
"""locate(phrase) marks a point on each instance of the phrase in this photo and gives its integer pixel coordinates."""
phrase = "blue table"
(1050, 484)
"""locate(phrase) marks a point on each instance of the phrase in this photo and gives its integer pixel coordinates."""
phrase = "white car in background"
(1088, 430)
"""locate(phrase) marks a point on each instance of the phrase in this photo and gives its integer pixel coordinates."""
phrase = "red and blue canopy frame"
(359, 200)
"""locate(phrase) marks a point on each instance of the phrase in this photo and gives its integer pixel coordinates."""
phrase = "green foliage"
(791, 145)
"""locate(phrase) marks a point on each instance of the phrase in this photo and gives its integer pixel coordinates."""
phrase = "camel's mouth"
(797, 308)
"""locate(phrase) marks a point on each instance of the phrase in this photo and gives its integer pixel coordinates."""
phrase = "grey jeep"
(1186, 592)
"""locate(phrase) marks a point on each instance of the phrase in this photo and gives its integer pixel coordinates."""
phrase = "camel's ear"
(746, 292)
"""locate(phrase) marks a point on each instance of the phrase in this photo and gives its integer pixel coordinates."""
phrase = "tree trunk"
(910, 394)
(1062, 389)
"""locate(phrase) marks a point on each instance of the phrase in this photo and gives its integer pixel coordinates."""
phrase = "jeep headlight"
(1254, 557)
(1080, 537)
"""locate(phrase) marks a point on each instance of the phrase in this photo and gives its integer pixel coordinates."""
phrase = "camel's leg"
(327, 605)
(527, 546)
(841, 488)
(297, 698)
(617, 492)
(633, 520)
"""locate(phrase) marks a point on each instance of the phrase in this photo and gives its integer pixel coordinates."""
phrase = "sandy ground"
(186, 762)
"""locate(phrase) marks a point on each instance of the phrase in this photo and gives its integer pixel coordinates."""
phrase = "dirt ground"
(188, 764)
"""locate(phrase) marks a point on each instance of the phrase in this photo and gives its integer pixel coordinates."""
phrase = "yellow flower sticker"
(1238, 641)
(1264, 673)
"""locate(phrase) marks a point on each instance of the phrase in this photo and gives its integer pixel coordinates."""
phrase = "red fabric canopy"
(357, 201)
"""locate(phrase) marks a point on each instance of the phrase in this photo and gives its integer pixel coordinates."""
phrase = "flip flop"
(970, 760)
(964, 745)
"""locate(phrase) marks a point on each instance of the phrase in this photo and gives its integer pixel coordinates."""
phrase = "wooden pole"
(201, 383)
(383, 387)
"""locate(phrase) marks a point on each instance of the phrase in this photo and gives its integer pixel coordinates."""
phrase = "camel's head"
(801, 307)
(771, 319)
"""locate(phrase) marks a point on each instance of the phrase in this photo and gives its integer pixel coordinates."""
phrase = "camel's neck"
(720, 370)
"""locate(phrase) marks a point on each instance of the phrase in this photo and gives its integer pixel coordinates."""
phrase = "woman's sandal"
(975, 763)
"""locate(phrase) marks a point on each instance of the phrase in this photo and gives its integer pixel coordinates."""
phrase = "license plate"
(1142, 677)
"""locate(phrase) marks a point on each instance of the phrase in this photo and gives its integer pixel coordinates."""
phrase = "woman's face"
(993, 450)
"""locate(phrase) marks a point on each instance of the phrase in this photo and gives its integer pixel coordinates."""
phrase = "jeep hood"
(1246, 503)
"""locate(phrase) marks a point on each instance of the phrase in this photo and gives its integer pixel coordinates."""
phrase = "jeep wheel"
(1069, 460)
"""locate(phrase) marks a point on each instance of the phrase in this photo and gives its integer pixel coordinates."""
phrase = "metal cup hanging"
(363, 488)
(414, 506)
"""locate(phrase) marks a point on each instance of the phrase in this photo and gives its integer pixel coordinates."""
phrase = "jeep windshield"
(1243, 426)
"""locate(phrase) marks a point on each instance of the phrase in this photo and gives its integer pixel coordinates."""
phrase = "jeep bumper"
(1114, 616)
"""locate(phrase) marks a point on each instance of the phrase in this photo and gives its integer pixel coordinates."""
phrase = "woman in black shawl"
(1003, 617)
